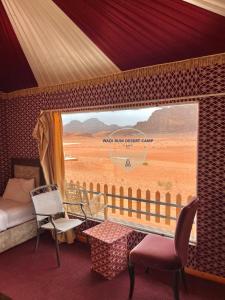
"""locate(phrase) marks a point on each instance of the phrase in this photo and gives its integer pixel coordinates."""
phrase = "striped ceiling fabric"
(216, 6)
(15, 72)
(56, 49)
(48, 42)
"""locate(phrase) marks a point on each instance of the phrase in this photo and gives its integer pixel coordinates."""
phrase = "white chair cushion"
(63, 224)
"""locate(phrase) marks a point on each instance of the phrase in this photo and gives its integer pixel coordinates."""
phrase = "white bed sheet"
(13, 213)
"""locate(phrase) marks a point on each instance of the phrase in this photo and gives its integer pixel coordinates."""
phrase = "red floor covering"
(25, 275)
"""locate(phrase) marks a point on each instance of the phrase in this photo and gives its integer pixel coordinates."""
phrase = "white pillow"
(18, 189)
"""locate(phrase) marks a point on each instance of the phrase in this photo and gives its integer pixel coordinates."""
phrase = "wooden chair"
(159, 252)
(50, 213)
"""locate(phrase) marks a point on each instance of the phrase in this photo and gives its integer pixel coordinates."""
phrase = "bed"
(17, 223)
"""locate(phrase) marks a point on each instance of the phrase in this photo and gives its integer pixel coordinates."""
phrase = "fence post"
(98, 189)
(105, 201)
(189, 198)
(121, 201)
(178, 202)
(157, 206)
(91, 190)
(148, 209)
(138, 204)
(113, 199)
(168, 207)
(129, 201)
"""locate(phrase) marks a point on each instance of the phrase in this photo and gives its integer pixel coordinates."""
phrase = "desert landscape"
(168, 165)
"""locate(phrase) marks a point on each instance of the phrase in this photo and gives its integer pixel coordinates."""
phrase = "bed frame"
(22, 168)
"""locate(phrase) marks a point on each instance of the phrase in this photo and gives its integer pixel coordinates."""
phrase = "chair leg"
(183, 278)
(132, 279)
(37, 239)
(57, 248)
(176, 285)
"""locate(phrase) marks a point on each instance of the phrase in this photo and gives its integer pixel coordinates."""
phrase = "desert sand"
(170, 166)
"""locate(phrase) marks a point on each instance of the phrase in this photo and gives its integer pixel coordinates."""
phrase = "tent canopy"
(51, 42)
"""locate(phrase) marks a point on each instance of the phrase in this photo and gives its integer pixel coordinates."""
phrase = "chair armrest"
(98, 195)
(43, 215)
(50, 216)
(75, 203)
(81, 204)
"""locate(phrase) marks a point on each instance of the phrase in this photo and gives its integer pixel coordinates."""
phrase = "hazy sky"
(119, 117)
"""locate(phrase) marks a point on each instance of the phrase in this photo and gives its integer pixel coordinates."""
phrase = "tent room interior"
(112, 130)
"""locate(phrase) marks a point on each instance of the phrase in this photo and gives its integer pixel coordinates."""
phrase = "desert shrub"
(167, 185)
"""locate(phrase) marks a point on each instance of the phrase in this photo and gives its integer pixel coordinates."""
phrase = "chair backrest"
(47, 200)
(183, 229)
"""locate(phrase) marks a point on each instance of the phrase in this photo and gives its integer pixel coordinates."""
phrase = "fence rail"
(138, 204)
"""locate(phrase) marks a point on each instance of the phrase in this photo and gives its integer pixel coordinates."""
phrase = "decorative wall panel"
(211, 186)
(146, 86)
(4, 164)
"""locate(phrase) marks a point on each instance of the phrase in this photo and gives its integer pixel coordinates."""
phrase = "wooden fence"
(145, 205)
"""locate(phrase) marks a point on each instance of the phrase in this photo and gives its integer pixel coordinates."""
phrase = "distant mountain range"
(179, 118)
(92, 126)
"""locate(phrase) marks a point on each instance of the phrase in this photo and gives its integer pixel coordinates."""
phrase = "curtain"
(48, 133)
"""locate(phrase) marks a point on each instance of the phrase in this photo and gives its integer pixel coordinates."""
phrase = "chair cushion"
(157, 252)
(63, 224)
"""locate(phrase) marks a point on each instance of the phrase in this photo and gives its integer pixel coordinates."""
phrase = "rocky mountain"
(92, 126)
(179, 118)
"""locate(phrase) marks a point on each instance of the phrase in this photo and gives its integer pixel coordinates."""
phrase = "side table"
(109, 249)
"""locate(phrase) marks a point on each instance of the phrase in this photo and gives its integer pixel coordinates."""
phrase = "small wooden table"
(109, 248)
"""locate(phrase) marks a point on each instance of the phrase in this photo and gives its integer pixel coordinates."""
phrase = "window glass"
(144, 160)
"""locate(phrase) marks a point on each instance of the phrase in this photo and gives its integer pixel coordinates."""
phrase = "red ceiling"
(15, 72)
(132, 34)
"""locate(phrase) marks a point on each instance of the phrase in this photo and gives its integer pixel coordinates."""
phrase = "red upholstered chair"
(159, 252)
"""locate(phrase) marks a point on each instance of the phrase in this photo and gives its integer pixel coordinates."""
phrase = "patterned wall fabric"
(211, 162)
(22, 111)
(4, 164)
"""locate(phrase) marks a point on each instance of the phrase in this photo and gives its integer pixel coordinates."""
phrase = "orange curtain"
(48, 133)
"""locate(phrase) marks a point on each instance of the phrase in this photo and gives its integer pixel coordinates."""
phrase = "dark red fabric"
(15, 72)
(157, 252)
(183, 229)
(138, 33)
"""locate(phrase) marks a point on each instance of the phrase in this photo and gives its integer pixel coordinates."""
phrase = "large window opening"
(143, 160)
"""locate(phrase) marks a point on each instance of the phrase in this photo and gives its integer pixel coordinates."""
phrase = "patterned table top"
(108, 231)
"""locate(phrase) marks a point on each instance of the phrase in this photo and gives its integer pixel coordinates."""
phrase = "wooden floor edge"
(205, 275)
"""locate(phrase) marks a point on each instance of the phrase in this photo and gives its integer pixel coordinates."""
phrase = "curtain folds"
(48, 133)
